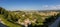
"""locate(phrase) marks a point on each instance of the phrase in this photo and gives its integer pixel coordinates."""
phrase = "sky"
(30, 4)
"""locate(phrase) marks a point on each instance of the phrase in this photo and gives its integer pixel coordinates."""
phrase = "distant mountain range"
(38, 11)
(50, 10)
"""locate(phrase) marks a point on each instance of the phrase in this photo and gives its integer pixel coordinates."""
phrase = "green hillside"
(39, 19)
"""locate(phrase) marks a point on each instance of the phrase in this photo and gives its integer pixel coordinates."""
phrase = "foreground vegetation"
(38, 19)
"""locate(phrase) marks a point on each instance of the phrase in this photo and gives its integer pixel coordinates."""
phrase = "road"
(2, 25)
(56, 23)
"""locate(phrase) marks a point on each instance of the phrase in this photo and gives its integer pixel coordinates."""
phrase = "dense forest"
(17, 18)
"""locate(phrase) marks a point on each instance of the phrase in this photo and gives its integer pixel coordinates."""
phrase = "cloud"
(51, 7)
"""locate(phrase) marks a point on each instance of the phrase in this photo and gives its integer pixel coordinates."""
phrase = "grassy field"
(9, 24)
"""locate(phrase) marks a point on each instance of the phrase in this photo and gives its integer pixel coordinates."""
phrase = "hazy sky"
(30, 4)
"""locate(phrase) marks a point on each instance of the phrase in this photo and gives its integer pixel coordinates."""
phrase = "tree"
(3, 12)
